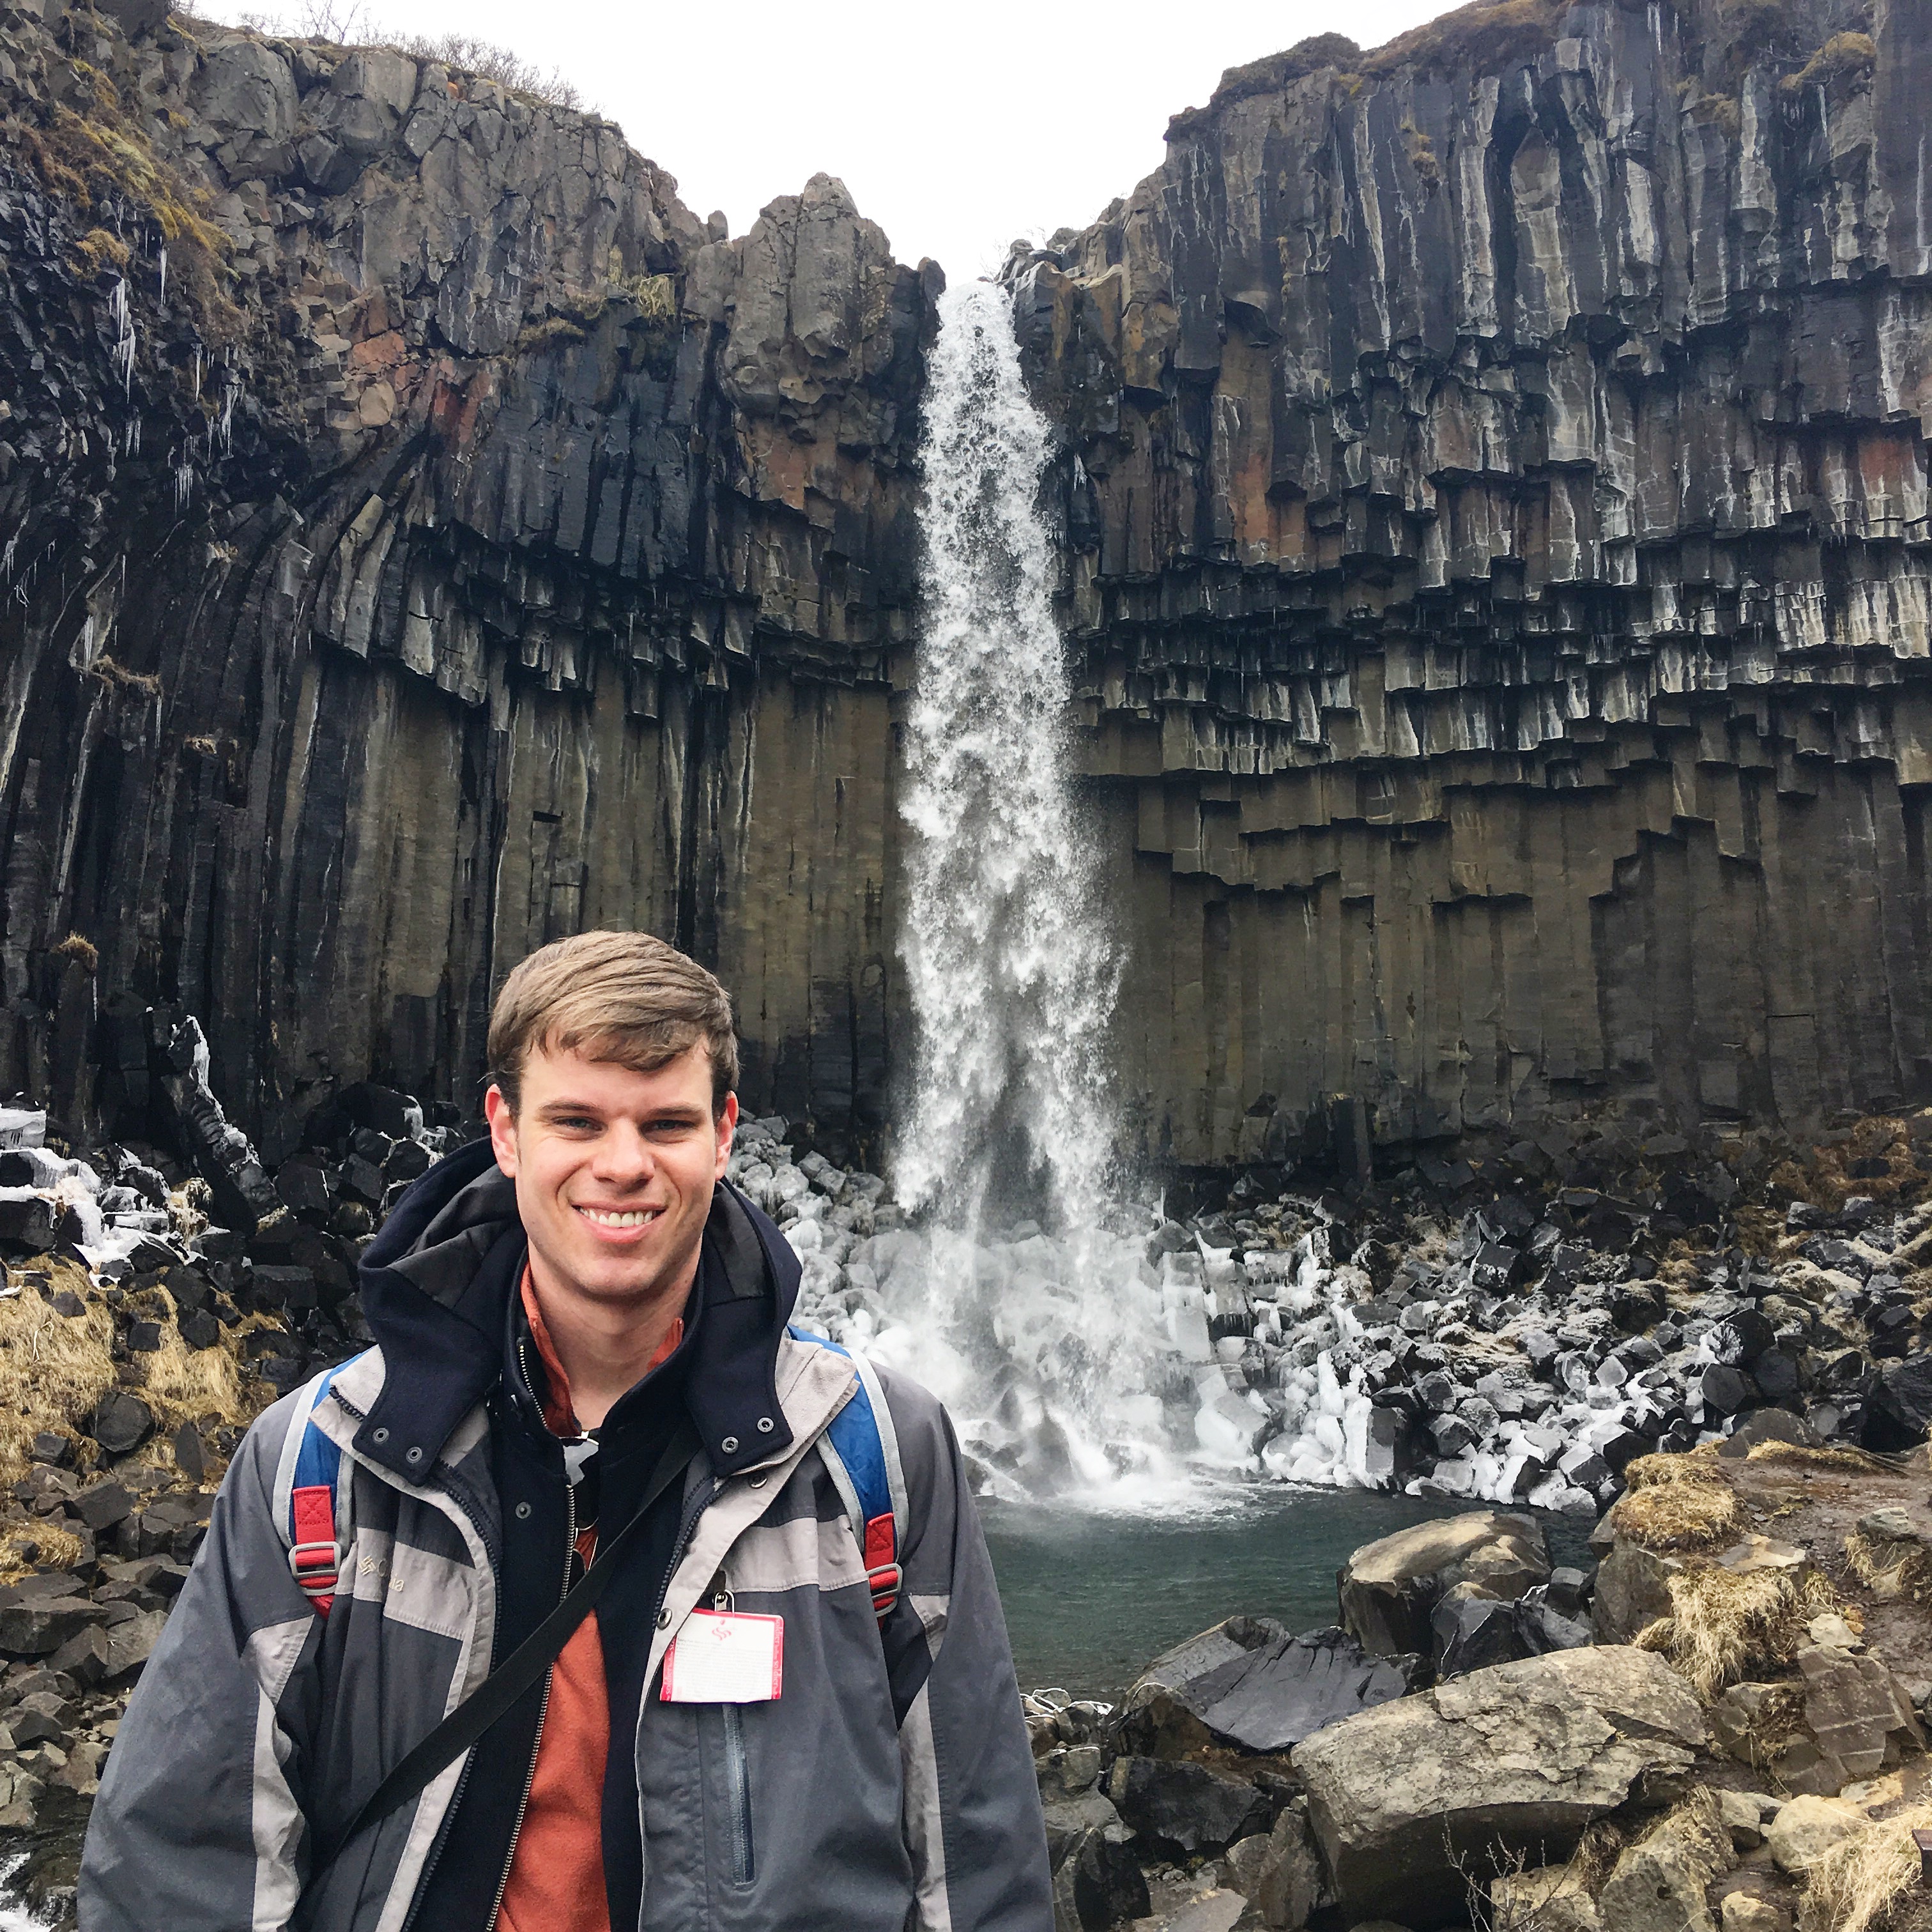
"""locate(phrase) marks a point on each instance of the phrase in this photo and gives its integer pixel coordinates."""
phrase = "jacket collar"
(438, 1281)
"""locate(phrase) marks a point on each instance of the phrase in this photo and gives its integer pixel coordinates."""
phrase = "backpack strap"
(861, 1450)
(315, 1560)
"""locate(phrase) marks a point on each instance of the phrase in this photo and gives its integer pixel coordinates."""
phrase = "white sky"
(956, 128)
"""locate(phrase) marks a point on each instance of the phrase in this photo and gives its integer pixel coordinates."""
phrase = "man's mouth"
(619, 1217)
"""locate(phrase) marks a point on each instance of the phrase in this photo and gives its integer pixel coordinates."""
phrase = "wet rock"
(1388, 1589)
(1182, 1811)
(1520, 1757)
(1248, 1683)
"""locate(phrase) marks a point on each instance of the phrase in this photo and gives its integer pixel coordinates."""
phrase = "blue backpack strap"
(315, 1560)
(861, 1450)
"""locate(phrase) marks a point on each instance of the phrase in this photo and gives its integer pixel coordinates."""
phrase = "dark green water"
(1090, 1599)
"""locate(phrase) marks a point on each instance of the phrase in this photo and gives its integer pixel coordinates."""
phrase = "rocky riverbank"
(1720, 1726)
(1540, 1322)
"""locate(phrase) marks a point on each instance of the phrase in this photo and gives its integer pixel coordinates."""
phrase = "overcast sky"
(956, 128)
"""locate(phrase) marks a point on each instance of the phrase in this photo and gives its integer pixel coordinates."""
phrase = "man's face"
(614, 1170)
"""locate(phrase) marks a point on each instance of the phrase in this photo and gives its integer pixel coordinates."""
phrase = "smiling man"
(564, 1608)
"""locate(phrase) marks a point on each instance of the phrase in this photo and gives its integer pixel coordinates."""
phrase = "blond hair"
(622, 997)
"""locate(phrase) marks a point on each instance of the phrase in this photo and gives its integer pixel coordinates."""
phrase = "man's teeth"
(631, 1217)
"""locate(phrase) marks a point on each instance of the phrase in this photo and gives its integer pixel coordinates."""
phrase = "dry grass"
(81, 950)
(1823, 1174)
(1675, 1504)
(1844, 57)
(1866, 1883)
(27, 1546)
(1723, 1626)
(53, 1368)
(1908, 1574)
(1485, 37)
(1831, 1456)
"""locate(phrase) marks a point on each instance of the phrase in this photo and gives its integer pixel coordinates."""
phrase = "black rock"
(362, 1179)
(190, 1458)
(121, 1422)
(407, 1160)
(200, 1330)
(1438, 1393)
(367, 1105)
(1898, 1410)
(67, 1302)
(1776, 1373)
(1108, 1884)
(16, 1169)
(190, 1288)
(102, 1505)
(29, 1226)
(305, 1188)
(221, 1153)
(1741, 1337)
(1727, 1389)
(1248, 1684)
(283, 1372)
(144, 1337)
(372, 1146)
(285, 1288)
(1841, 1256)
(1494, 1267)
(1182, 1811)
(56, 1451)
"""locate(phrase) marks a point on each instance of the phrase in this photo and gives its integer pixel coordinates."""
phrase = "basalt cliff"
(1491, 511)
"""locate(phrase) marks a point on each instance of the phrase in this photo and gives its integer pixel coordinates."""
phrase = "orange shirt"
(556, 1876)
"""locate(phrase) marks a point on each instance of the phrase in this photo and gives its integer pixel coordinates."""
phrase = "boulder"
(1181, 1811)
(1859, 1715)
(1898, 1411)
(1633, 1591)
(121, 1422)
(1248, 1683)
(1550, 1898)
(1517, 1759)
(1474, 1630)
(1389, 1589)
(1658, 1884)
(1807, 1828)
(1292, 1885)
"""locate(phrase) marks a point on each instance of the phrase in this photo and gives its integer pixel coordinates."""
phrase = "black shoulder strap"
(518, 1672)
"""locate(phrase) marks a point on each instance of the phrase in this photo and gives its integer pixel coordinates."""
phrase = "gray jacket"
(868, 1798)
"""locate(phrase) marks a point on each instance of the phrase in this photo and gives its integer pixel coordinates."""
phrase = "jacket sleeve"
(198, 1820)
(972, 1822)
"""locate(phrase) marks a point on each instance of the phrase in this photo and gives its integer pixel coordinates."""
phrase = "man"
(581, 1330)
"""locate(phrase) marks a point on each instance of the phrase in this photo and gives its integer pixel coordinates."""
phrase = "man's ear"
(727, 1127)
(502, 1129)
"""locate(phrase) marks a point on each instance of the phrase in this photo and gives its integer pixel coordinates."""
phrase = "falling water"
(1012, 972)
(1024, 1305)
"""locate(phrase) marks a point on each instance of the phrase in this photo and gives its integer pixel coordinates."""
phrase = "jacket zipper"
(543, 1712)
(739, 1773)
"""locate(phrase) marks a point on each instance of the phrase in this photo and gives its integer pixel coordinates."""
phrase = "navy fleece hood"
(436, 1283)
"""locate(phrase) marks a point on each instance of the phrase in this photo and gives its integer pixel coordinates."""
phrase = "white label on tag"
(722, 1658)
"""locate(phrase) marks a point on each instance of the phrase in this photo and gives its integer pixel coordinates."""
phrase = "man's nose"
(624, 1155)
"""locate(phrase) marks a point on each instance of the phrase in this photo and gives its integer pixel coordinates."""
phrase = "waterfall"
(1011, 970)
(1021, 1300)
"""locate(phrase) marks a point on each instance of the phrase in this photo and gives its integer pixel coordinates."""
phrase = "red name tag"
(721, 1657)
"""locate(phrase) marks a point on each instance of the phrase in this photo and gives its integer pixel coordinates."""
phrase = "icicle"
(184, 484)
(162, 261)
(7, 556)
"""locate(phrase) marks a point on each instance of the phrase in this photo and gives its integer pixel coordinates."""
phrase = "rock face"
(1523, 1755)
(423, 537)
(1495, 507)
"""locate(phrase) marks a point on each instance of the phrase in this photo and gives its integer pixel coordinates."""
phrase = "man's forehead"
(552, 1074)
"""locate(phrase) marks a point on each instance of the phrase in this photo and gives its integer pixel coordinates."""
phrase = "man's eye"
(574, 1121)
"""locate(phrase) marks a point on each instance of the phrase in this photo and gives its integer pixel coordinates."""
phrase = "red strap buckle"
(314, 1562)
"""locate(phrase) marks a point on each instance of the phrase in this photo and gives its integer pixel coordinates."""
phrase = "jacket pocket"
(738, 1784)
